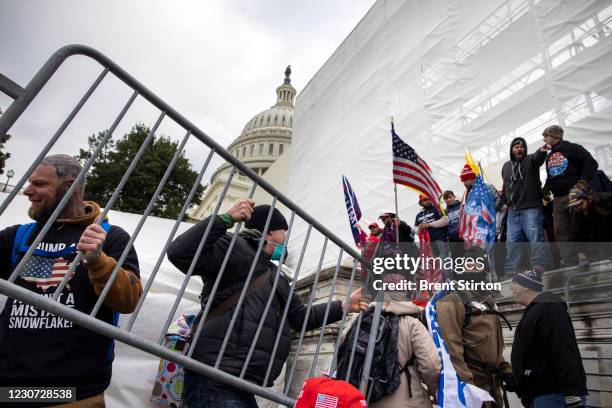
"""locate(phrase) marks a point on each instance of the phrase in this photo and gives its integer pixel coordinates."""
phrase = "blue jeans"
(551, 401)
(442, 250)
(201, 392)
(526, 226)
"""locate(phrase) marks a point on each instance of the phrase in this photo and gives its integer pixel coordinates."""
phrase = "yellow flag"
(469, 160)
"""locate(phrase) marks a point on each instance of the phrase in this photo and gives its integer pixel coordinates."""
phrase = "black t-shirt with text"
(40, 349)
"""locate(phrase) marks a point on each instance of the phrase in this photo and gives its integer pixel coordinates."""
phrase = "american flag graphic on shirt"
(45, 272)
(326, 401)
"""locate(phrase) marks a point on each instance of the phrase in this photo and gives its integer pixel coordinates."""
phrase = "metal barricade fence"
(23, 97)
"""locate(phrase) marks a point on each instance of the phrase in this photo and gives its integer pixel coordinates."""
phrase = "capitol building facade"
(263, 140)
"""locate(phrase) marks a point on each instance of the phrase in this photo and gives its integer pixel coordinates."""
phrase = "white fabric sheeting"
(451, 73)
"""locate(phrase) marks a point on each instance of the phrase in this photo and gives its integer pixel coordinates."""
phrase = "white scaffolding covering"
(452, 73)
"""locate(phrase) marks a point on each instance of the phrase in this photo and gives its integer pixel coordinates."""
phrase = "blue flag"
(352, 207)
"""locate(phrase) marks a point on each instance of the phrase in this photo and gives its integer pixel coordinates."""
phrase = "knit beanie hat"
(554, 131)
(259, 216)
(467, 173)
(530, 280)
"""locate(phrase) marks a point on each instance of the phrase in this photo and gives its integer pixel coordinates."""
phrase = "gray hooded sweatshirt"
(522, 186)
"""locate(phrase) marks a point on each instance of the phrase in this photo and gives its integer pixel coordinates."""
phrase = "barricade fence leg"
(80, 255)
(329, 301)
(213, 291)
(353, 347)
(286, 311)
(270, 299)
(313, 290)
(344, 314)
(199, 250)
(367, 365)
(141, 222)
(246, 285)
(162, 255)
(51, 142)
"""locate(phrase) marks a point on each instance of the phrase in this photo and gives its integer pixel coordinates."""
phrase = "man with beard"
(522, 196)
(395, 228)
(37, 348)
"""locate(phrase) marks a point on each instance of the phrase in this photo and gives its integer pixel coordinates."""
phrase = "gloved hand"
(573, 402)
(509, 382)
(578, 192)
(581, 185)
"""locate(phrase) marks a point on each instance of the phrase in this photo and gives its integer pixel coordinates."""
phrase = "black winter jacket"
(545, 354)
(522, 187)
(181, 253)
(592, 232)
(566, 164)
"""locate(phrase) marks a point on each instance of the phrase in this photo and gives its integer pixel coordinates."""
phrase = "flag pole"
(396, 214)
(395, 190)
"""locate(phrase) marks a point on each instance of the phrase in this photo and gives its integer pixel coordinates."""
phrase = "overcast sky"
(218, 62)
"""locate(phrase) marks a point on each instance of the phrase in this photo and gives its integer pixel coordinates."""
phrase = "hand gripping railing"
(23, 97)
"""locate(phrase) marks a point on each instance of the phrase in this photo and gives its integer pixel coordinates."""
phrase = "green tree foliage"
(114, 160)
(3, 155)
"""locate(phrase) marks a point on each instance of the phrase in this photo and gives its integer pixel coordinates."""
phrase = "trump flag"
(352, 207)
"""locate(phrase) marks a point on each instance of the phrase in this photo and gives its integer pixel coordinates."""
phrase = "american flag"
(45, 272)
(326, 401)
(412, 171)
(477, 224)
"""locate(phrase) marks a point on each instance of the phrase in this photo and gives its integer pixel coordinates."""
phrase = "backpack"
(600, 183)
(385, 370)
(470, 310)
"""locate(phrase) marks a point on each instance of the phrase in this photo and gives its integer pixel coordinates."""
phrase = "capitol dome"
(267, 134)
(263, 139)
(276, 116)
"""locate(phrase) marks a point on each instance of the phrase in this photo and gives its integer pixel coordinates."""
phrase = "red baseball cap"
(325, 392)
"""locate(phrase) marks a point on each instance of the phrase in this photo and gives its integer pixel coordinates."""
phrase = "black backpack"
(385, 371)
